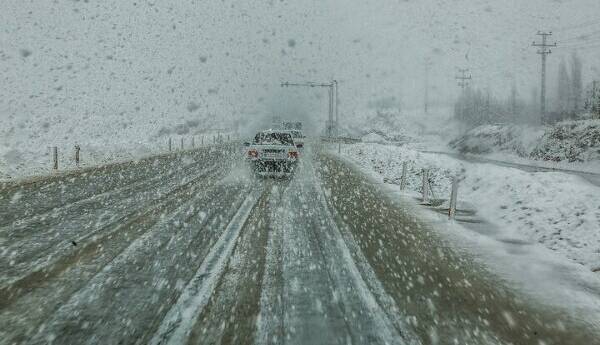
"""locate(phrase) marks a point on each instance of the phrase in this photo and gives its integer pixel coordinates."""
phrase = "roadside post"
(181, 143)
(403, 177)
(55, 157)
(193, 143)
(453, 197)
(77, 149)
(202, 140)
(170, 145)
(339, 147)
(425, 186)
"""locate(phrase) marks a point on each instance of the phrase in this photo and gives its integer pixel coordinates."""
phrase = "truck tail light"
(253, 153)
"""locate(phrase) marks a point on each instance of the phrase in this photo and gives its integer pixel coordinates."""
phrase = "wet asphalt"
(192, 248)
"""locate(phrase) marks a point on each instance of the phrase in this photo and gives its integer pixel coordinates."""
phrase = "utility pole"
(335, 86)
(332, 108)
(544, 50)
(330, 114)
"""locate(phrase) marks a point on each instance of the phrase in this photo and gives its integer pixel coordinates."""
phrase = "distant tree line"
(477, 107)
(592, 99)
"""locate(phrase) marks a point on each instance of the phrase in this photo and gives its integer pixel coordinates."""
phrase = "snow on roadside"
(570, 145)
(558, 210)
(37, 161)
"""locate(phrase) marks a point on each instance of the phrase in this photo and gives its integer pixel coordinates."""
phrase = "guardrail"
(74, 163)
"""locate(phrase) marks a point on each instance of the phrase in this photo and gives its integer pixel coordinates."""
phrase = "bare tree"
(576, 82)
(564, 89)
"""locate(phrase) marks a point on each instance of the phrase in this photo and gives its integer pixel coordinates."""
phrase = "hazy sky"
(140, 65)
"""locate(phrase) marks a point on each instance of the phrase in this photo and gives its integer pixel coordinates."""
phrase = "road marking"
(181, 318)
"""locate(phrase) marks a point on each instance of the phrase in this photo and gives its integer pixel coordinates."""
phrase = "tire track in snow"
(269, 323)
(335, 250)
(80, 185)
(323, 297)
(181, 318)
(43, 250)
(21, 228)
(42, 269)
(93, 309)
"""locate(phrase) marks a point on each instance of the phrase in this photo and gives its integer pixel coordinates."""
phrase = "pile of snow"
(558, 210)
(572, 141)
(496, 138)
(567, 141)
(396, 124)
(388, 123)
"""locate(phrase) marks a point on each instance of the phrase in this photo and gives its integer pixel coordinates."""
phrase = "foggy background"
(110, 72)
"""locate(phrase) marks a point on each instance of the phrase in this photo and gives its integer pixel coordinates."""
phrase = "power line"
(544, 50)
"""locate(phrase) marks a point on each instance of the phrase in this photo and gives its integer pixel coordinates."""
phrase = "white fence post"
(425, 186)
(403, 177)
(453, 197)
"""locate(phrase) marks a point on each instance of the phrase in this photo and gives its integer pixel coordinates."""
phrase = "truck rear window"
(274, 139)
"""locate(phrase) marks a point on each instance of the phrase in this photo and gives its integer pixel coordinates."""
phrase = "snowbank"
(557, 210)
(568, 141)
(572, 141)
(404, 125)
(498, 138)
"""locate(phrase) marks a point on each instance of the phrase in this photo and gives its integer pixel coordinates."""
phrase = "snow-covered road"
(191, 248)
(591, 177)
